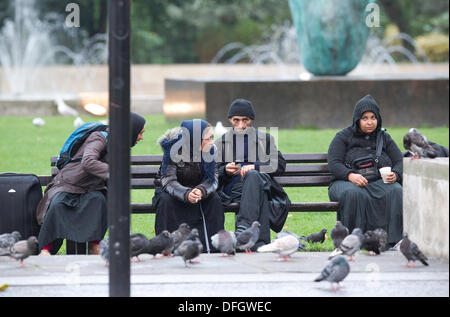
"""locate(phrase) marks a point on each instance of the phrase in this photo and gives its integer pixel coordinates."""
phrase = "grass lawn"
(25, 148)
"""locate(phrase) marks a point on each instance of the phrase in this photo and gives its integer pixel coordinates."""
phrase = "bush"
(435, 45)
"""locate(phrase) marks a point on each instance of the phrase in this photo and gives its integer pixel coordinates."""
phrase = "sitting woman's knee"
(352, 193)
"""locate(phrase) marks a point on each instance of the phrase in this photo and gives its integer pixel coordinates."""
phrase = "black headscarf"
(137, 124)
(366, 103)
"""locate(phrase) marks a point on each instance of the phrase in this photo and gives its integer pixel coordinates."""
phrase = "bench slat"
(155, 159)
(150, 171)
(285, 181)
(295, 206)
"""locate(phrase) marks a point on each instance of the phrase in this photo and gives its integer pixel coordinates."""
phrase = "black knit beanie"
(241, 107)
(137, 124)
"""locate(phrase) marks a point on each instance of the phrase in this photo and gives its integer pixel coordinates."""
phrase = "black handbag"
(367, 165)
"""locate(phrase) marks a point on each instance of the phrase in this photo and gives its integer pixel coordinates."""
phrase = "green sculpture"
(331, 34)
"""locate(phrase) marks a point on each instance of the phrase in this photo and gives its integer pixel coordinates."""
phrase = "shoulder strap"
(379, 145)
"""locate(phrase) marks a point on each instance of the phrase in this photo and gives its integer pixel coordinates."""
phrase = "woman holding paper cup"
(367, 182)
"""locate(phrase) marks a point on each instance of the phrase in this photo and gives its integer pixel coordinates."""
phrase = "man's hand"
(357, 179)
(246, 168)
(232, 169)
(195, 195)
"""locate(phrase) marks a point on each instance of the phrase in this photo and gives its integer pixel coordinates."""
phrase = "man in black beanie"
(247, 160)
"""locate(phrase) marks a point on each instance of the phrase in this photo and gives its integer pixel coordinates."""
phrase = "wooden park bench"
(302, 170)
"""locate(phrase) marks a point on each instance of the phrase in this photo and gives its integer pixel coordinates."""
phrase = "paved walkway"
(243, 275)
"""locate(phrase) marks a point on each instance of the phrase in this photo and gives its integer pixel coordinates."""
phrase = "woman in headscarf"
(187, 181)
(365, 200)
(74, 204)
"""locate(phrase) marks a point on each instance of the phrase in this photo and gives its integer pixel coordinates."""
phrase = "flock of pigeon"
(185, 242)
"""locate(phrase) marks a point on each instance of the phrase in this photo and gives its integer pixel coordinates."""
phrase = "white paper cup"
(384, 171)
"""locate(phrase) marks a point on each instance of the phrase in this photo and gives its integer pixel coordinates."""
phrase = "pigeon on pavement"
(284, 246)
(371, 243)
(138, 245)
(180, 234)
(189, 250)
(382, 238)
(247, 238)
(225, 242)
(104, 250)
(23, 249)
(335, 272)
(193, 235)
(281, 234)
(159, 243)
(7, 240)
(316, 237)
(418, 145)
(338, 233)
(411, 251)
(350, 245)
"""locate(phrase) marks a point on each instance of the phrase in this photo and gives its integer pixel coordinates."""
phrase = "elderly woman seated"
(187, 181)
(367, 201)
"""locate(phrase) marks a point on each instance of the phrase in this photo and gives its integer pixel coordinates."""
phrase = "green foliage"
(192, 31)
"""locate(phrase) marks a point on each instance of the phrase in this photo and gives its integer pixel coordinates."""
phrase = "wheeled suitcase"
(19, 196)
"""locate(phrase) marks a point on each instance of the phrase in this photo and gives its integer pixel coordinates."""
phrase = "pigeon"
(338, 233)
(39, 122)
(159, 243)
(350, 245)
(77, 122)
(219, 129)
(411, 251)
(371, 243)
(382, 237)
(7, 240)
(335, 272)
(284, 246)
(23, 249)
(104, 250)
(180, 234)
(193, 235)
(188, 250)
(281, 234)
(316, 237)
(417, 144)
(169, 247)
(64, 109)
(138, 245)
(225, 242)
(247, 238)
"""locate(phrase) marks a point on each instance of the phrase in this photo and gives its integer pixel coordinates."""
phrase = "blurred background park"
(47, 63)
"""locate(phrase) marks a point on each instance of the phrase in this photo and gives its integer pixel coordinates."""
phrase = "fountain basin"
(322, 102)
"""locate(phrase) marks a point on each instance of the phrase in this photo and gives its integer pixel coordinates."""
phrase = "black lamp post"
(119, 147)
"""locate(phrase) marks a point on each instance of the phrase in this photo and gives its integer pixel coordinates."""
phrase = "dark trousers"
(252, 195)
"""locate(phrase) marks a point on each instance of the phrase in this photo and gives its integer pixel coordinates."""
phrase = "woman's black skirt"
(377, 205)
(170, 213)
(76, 217)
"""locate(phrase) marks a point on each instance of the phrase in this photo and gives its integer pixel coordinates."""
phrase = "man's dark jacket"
(261, 155)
